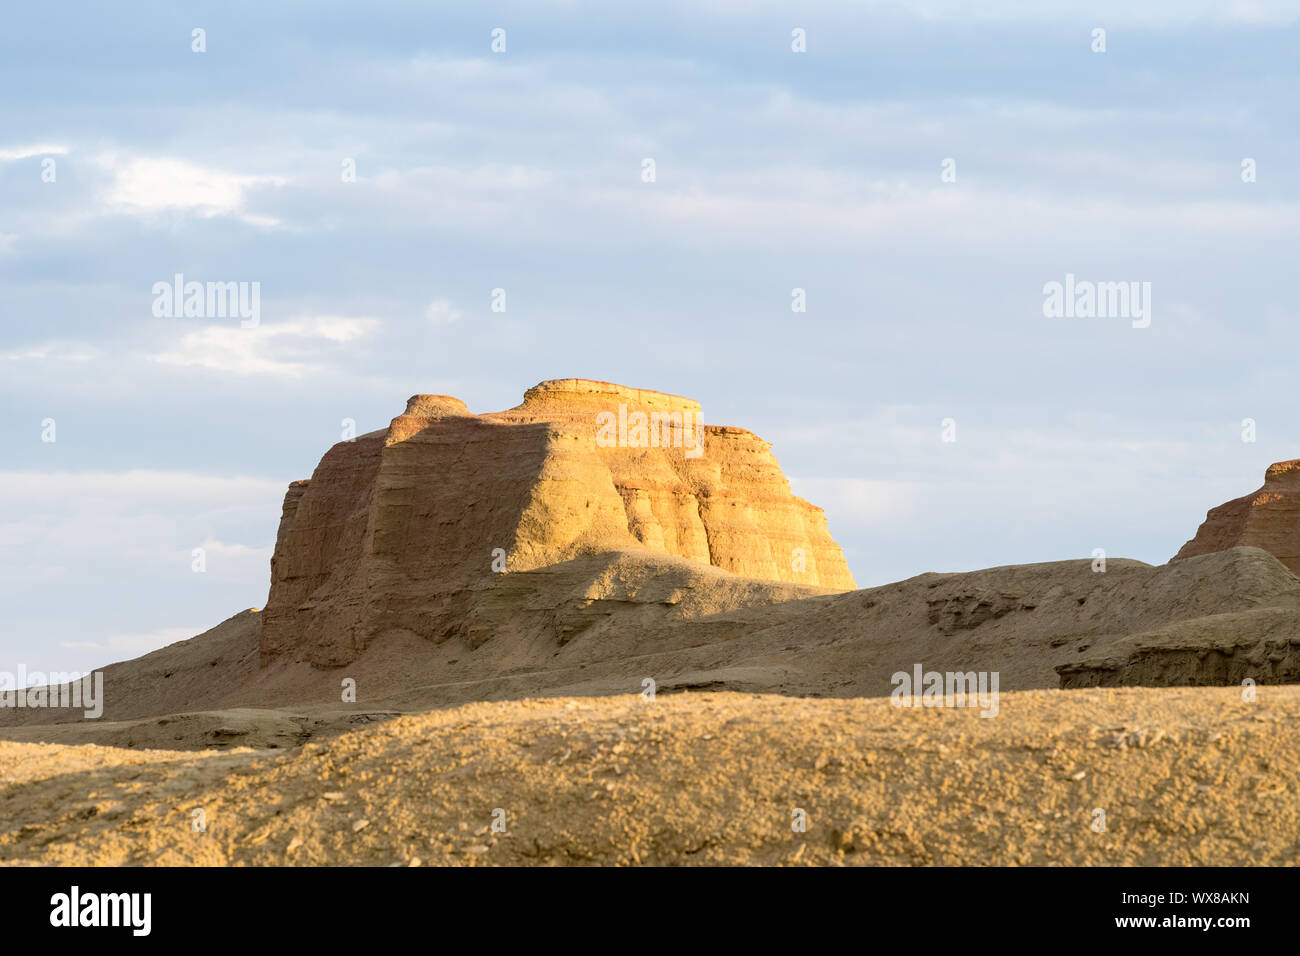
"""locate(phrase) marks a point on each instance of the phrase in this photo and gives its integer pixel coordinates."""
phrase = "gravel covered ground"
(1183, 776)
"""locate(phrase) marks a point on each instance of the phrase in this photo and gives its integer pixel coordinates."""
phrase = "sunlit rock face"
(405, 528)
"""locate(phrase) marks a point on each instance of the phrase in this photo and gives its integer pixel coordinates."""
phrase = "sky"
(921, 170)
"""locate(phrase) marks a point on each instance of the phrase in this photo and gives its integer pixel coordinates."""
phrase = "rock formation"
(1268, 518)
(401, 530)
(596, 540)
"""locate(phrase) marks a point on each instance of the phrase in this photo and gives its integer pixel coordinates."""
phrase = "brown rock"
(396, 530)
(1268, 518)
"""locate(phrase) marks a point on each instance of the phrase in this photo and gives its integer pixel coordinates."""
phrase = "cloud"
(146, 186)
(1153, 12)
(858, 501)
(74, 524)
(288, 349)
(774, 171)
(60, 351)
(10, 153)
(126, 646)
(97, 565)
(768, 207)
(442, 312)
(1256, 13)
(220, 549)
(68, 493)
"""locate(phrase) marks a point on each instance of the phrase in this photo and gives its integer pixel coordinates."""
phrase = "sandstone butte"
(396, 530)
(1268, 518)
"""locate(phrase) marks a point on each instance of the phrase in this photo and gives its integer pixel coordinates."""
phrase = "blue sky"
(521, 170)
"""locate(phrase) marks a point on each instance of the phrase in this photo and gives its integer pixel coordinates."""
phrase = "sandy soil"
(1184, 776)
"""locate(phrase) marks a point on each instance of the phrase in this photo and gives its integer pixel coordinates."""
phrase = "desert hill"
(619, 643)
(453, 558)
(1038, 626)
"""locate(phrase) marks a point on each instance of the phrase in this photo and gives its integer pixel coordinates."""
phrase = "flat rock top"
(559, 398)
(582, 394)
(587, 386)
(1283, 471)
(436, 405)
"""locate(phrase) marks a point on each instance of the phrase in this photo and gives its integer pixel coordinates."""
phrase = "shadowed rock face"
(396, 530)
(1268, 518)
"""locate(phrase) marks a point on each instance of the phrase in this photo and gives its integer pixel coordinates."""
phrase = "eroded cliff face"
(397, 530)
(1268, 518)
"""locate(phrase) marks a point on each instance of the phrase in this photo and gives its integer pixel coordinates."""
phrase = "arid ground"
(1183, 776)
(666, 661)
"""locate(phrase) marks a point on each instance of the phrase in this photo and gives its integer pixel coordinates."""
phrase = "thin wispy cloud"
(442, 312)
(11, 153)
(775, 171)
(56, 351)
(292, 348)
(146, 186)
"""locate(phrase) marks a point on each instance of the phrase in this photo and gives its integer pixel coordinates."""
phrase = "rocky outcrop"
(405, 529)
(1268, 518)
(1261, 646)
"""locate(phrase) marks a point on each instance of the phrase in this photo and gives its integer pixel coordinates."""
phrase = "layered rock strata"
(401, 529)
(1267, 518)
